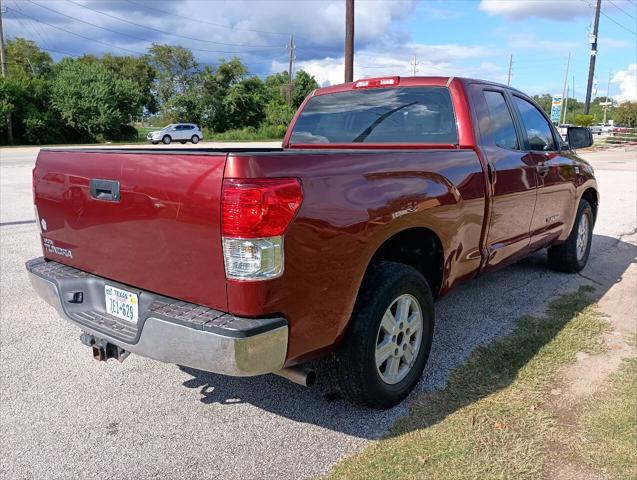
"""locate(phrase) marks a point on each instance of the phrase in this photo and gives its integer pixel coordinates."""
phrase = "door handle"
(542, 170)
(107, 190)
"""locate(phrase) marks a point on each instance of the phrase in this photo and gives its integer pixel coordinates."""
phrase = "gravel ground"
(63, 415)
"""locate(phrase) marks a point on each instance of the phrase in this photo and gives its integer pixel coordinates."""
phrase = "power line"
(621, 9)
(262, 47)
(205, 22)
(127, 34)
(617, 23)
(34, 26)
(77, 34)
(610, 18)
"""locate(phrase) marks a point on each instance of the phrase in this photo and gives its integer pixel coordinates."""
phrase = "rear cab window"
(501, 124)
(412, 115)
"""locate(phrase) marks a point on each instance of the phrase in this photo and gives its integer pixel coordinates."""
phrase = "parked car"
(179, 132)
(385, 195)
(597, 129)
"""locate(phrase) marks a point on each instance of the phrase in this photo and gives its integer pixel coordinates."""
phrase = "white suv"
(178, 132)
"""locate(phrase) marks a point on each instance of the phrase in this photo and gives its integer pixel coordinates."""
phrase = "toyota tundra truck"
(386, 193)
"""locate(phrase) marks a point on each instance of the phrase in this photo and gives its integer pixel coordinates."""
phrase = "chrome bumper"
(226, 344)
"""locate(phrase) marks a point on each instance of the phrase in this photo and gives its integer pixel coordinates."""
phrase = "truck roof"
(417, 81)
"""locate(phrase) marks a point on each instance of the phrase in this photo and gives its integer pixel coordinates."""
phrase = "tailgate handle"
(107, 190)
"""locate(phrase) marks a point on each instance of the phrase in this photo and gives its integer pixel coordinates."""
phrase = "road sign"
(556, 107)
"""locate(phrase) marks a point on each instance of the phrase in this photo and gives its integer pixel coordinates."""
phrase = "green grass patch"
(610, 425)
(491, 420)
(248, 134)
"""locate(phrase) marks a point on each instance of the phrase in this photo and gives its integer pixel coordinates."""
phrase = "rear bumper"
(168, 330)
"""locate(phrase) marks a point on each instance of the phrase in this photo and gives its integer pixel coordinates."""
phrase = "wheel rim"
(582, 237)
(399, 339)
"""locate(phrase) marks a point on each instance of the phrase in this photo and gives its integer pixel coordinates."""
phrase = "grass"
(610, 421)
(492, 420)
(247, 134)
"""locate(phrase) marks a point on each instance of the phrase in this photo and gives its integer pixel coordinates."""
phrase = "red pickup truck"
(387, 193)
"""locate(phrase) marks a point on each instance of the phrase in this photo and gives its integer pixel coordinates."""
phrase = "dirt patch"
(578, 382)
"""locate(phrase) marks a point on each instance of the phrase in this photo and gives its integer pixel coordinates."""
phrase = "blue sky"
(457, 37)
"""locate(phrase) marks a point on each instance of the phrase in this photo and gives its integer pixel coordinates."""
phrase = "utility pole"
(608, 103)
(414, 65)
(565, 104)
(510, 66)
(591, 68)
(291, 49)
(568, 62)
(3, 70)
(349, 40)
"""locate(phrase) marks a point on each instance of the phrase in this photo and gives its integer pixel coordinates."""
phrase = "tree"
(25, 55)
(303, 85)
(92, 99)
(626, 114)
(544, 101)
(216, 85)
(243, 106)
(176, 72)
(584, 120)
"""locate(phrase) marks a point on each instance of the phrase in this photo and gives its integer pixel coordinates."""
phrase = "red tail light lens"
(257, 208)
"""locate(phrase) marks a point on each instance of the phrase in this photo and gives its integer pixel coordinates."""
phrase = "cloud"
(562, 10)
(256, 31)
(432, 60)
(627, 81)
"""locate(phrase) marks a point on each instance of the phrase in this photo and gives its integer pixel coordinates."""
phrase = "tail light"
(255, 213)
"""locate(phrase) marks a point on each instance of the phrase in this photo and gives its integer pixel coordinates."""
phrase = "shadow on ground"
(471, 316)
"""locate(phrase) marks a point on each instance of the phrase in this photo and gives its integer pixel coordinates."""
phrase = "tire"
(572, 255)
(166, 140)
(194, 139)
(353, 365)
(154, 143)
(183, 142)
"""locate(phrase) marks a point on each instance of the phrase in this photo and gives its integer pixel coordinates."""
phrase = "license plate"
(121, 304)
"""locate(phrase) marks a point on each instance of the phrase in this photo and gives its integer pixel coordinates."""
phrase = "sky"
(472, 38)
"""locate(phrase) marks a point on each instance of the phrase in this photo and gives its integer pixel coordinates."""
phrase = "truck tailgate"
(163, 232)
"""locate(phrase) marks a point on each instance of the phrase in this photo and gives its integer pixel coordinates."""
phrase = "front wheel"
(194, 139)
(166, 140)
(389, 337)
(572, 255)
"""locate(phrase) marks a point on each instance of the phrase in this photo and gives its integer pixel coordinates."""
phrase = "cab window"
(501, 122)
(539, 135)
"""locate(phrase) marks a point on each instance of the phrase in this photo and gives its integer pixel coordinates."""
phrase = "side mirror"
(579, 137)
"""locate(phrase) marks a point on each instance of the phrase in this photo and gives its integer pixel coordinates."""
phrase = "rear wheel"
(166, 140)
(389, 337)
(572, 255)
(194, 139)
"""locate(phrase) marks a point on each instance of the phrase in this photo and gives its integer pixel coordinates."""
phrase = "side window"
(538, 130)
(501, 124)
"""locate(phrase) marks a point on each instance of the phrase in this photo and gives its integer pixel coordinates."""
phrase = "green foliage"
(24, 55)
(583, 120)
(92, 99)
(278, 114)
(626, 114)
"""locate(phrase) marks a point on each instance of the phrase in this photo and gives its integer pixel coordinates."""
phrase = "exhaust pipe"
(301, 375)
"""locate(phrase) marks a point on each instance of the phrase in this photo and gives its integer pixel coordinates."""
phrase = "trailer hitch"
(102, 349)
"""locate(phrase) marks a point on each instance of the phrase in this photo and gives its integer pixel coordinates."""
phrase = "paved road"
(63, 415)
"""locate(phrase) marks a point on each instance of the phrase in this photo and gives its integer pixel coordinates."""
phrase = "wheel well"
(590, 195)
(419, 248)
